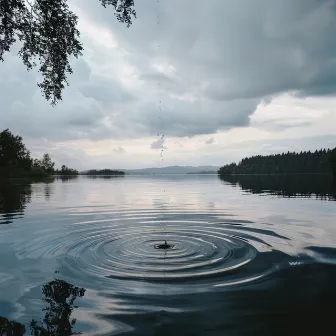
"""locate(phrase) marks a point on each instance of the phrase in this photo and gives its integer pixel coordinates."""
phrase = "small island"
(104, 172)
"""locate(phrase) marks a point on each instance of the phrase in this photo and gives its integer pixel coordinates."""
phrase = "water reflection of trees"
(14, 197)
(60, 296)
(66, 178)
(105, 177)
(57, 321)
(305, 185)
(15, 194)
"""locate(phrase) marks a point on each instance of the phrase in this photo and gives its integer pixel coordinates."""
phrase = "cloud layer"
(184, 69)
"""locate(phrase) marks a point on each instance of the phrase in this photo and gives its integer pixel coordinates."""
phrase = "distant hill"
(173, 170)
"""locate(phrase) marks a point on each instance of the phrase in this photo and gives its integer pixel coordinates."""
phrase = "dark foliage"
(46, 164)
(48, 33)
(37, 172)
(60, 297)
(14, 156)
(124, 10)
(57, 321)
(105, 172)
(66, 171)
(332, 161)
(322, 161)
(10, 328)
(15, 160)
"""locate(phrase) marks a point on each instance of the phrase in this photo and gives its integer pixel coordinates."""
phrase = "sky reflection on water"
(251, 256)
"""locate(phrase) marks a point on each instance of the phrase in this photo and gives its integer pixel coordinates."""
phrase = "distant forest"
(105, 172)
(16, 160)
(321, 161)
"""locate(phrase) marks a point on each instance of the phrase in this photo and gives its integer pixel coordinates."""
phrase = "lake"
(250, 255)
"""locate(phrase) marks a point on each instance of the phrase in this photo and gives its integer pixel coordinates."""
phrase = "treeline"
(66, 171)
(320, 161)
(16, 160)
(105, 172)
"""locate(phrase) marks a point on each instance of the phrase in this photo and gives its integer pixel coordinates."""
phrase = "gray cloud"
(119, 150)
(161, 82)
(158, 77)
(241, 51)
(272, 146)
(107, 91)
(71, 157)
(181, 118)
(274, 126)
(210, 141)
(158, 144)
(224, 58)
(236, 152)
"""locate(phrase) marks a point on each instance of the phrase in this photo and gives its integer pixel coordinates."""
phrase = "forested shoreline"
(16, 161)
(319, 162)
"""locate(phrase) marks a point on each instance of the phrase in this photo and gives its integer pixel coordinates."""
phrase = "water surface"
(250, 255)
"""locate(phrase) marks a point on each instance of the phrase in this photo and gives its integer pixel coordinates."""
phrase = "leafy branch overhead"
(47, 30)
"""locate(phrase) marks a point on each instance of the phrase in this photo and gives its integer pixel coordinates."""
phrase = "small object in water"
(164, 246)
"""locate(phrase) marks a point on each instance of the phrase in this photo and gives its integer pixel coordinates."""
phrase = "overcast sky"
(206, 81)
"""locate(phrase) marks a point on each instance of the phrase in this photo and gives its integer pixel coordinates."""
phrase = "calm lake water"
(250, 256)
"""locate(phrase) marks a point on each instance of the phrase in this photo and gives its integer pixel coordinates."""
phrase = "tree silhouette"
(46, 164)
(11, 328)
(48, 32)
(106, 172)
(332, 161)
(15, 160)
(57, 321)
(320, 161)
(14, 155)
(66, 171)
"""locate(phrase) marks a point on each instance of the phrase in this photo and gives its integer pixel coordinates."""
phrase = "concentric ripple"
(210, 251)
(133, 255)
